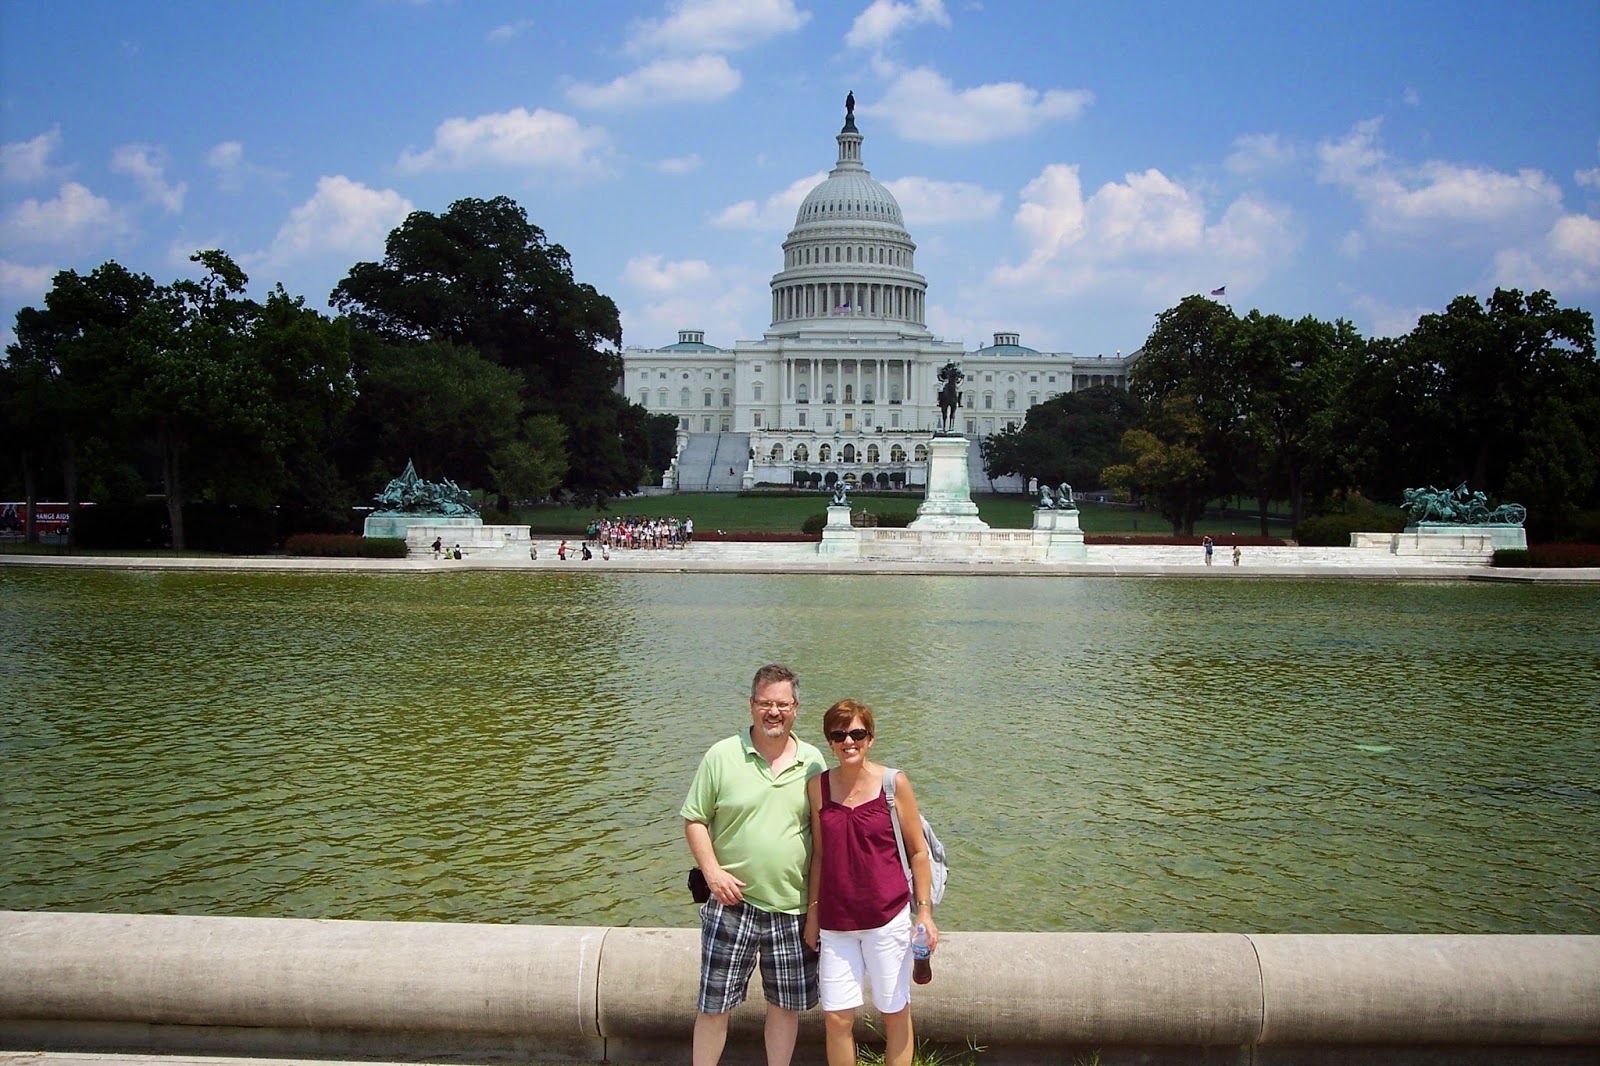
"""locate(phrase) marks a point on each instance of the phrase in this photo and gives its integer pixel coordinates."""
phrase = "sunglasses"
(857, 735)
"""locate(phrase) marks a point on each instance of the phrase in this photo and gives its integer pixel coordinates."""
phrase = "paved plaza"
(743, 557)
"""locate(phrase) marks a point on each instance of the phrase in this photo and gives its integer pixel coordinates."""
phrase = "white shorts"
(882, 955)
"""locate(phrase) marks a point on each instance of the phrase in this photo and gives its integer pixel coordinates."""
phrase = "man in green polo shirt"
(749, 828)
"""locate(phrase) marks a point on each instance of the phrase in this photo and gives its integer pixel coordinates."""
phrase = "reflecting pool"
(1097, 754)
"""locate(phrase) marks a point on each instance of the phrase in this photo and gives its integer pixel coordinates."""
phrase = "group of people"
(636, 531)
(448, 553)
(805, 875)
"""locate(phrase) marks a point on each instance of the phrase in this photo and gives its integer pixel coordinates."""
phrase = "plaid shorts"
(730, 940)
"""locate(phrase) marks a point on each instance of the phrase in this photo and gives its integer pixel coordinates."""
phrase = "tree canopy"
(482, 276)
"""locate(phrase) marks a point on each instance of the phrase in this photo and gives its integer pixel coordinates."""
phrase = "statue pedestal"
(379, 524)
(948, 504)
(839, 537)
(1440, 540)
(1057, 535)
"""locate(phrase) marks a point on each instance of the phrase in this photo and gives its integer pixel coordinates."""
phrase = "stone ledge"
(264, 986)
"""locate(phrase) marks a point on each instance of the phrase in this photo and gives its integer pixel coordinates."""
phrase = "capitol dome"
(849, 255)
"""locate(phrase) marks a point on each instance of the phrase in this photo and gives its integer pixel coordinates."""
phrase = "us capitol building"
(844, 383)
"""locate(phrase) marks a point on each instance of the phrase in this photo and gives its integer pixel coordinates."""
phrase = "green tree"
(1497, 394)
(1163, 464)
(191, 382)
(1070, 438)
(1192, 358)
(1499, 363)
(448, 410)
(1294, 373)
(308, 362)
(483, 276)
(65, 383)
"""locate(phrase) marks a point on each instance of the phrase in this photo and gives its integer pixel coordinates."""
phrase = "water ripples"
(1116, 754)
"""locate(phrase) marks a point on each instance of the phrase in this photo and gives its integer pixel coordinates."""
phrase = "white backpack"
(937, 863)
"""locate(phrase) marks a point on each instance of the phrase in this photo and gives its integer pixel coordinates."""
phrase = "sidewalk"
(739, 557)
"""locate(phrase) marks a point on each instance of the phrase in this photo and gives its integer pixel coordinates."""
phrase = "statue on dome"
(850, 105)
(949, 396)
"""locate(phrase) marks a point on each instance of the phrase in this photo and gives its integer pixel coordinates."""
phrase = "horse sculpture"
(1457, 506)
(949, 396)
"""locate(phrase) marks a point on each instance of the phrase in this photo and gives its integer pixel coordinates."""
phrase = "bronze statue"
(409, 494)
(1457, 506)
(949, 396)
(850, 105)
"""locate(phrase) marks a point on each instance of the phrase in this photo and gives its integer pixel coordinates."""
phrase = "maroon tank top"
(863, 883)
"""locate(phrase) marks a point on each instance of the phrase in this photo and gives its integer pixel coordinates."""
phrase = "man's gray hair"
(772, 673)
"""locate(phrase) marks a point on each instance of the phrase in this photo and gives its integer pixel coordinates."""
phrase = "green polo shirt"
(760, 824)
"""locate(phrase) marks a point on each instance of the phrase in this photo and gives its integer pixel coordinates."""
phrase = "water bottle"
(921, 964)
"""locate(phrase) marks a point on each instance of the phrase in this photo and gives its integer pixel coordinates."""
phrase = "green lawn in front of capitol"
(784, 512)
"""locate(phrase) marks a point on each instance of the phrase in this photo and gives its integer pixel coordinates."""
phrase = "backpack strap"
(889, 774)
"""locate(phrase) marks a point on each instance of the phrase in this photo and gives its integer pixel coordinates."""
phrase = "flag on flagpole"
(842, 309)
(1221, 290)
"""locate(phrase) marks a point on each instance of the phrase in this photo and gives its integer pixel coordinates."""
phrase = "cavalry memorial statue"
(1458, 507)
(410, 495)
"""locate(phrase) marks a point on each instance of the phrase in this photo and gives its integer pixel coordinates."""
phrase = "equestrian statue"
(949, 396)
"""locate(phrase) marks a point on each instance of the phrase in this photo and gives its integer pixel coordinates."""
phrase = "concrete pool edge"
(1104, 561)
(279, 987)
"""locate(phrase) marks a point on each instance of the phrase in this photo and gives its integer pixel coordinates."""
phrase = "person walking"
(1235, 553)
(1209, 548)
(861, 914)
(746, 826)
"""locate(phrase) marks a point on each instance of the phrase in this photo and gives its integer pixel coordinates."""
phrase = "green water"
(1113, 754)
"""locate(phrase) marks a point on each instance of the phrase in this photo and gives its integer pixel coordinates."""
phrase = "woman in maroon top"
(862, 913)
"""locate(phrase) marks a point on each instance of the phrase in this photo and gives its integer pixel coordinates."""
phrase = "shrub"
(345, 546)
(1333, 530)
(1549, 555)
(814, 524)
(895, 519)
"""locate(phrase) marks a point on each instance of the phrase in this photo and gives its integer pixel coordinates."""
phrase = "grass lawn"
(785, 513)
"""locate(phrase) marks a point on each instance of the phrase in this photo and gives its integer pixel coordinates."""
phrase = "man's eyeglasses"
(857, 735)
(772, 705)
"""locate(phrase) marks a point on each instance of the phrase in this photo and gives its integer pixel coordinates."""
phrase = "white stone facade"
(845, 380)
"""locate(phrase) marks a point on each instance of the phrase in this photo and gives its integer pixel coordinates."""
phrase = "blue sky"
(1068, 170)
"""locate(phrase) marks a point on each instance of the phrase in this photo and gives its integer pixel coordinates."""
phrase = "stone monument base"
(467, 531)
(1058, 536)
(839, 537)
(1446, 541)
(948, 503)
(379, 524)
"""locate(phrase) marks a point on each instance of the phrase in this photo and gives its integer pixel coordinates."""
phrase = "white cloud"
(30, 160)
(1435, 197)
(21, 282)
(74, 214)
(1564, 260)
(1256, 153)
(923, 200)
(510, 31)
(343, 217)
(545, 140)
(776, 212)
(1588, 178)
(649, 272)
(716, 26)
(1388, 320)
(683, 164)
(717, 305)
(884, 18)
(922, 105)
(666, 81)
(233, 170)
(147, 165)
(1148, 232)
